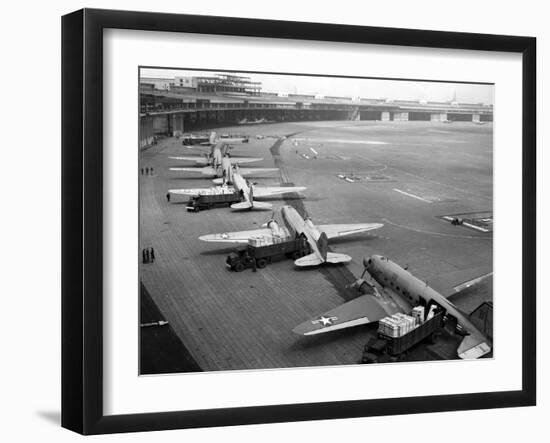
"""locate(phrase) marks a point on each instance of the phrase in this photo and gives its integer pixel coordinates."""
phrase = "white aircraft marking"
(412, 195)
(439, 234)
(325, 320)
(338, 140)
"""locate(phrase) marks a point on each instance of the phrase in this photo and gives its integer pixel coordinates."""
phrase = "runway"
(237, 321)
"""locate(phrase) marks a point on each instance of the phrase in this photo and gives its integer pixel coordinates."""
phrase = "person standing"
(146, 255)
(143, 258)
(168, 197)
(147, 171)
(152, 255)
(141, 171)
(151, 170)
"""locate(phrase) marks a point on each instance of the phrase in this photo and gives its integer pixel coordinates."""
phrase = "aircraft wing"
(190, 159)
(207, 170)
(364, 309)
(236, 237)
(251, 171)
(192, 192)
(266, 191)
(238, 160)
(452, 283)
(333, 231)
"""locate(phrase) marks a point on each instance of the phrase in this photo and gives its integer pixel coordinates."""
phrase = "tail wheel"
(261, 263)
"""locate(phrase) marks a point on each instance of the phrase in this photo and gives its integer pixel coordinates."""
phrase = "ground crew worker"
(144, 259)
(146, 255)
(152, 255)
(141, 171)
(168, 197)
(151, 171)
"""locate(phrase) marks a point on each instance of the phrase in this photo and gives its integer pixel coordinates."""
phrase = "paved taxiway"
(413, 172)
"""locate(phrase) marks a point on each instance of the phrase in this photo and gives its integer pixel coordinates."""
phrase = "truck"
(258, 257)
(208, 201)
(383, 348)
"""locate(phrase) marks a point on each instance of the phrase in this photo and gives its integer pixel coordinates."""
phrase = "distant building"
(229, 84)
(185, 82)
(162, 84)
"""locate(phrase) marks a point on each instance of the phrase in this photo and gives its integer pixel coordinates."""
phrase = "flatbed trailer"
(384, 349)
(258, 257)
(209, 201)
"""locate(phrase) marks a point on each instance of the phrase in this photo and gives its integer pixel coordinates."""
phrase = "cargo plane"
(396, 290)
(248, 191)
(215, 158)
(213, 139)
(317, 236)
(223, 173)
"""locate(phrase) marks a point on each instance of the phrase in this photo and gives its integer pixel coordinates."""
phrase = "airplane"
(397, 290)
(287, 219)
(258, 121)
(215, 158)
(212, 139)
(247, 190)
(224, 172)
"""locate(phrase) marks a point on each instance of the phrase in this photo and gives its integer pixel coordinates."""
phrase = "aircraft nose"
(367, 261)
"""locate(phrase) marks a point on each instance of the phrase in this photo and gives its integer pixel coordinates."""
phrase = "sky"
(353, 87)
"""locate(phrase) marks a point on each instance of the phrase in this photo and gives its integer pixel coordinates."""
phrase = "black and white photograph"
(268, 222)
(295, 221)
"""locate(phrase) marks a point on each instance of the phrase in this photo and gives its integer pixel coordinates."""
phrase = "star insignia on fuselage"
(326, 321)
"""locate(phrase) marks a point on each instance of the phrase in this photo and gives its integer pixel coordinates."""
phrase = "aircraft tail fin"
(309, 260)
(322, 245)
(250, 205)
(241, 205)
(473, 346)
(322, 255)
(262, 205)
(333, 257)
(314, 259)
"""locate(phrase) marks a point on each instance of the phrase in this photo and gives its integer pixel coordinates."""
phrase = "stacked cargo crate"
(397, 325)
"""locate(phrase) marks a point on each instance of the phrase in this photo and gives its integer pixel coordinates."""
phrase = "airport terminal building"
(172, 106)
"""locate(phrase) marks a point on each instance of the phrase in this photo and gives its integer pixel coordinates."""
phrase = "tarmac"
(407, 175)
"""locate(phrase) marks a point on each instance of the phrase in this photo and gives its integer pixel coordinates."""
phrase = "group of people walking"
(148, 255)
(147, 171)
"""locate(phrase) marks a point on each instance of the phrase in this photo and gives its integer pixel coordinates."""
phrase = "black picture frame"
(82, 218)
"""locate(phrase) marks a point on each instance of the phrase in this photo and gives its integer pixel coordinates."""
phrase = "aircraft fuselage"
(411, 289)
(299, 226)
